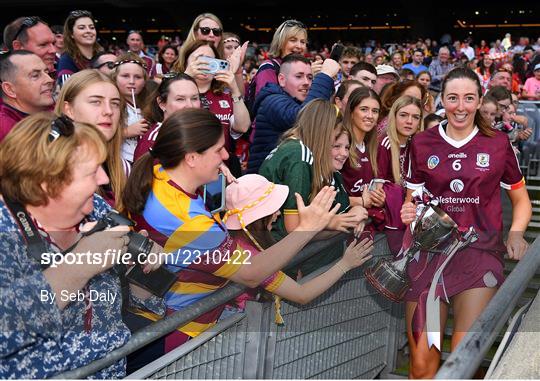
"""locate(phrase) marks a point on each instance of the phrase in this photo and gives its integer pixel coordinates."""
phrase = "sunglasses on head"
(291, 23)
(205, 31)
(61, 126)
(171, 75)
(26, 23)
(80, 13)
(109, 64)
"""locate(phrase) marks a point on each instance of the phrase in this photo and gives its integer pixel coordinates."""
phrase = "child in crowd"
(130, 77)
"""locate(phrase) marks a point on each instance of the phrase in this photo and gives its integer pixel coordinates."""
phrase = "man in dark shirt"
(26, 88)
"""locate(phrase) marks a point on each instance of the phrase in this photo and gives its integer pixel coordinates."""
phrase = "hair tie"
(61, 126)
(141, 64)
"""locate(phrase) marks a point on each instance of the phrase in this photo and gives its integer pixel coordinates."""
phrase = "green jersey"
(291, 164)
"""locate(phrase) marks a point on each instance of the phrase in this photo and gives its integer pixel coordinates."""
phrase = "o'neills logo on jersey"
(459, 200)
(224, 104)
(460, 155)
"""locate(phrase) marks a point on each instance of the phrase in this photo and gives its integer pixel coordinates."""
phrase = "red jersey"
(465, 177)
(384, 160)
(356, 179)
(9, 117)
(221, 105)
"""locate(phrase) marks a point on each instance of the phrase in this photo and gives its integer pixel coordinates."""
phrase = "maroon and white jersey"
(465, 177)
(384, 160)
(146, 141)
(356, 179)
(222, 106)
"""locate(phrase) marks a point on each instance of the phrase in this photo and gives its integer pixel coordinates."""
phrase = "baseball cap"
(250, 198)
(386, 69)
(537, 67)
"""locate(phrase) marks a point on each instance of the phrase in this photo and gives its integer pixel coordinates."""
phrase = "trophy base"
(387, 281)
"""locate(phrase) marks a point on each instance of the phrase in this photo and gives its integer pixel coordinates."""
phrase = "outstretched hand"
(318, 214)
(357, 253)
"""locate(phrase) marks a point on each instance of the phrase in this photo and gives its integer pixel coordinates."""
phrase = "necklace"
(402, 162)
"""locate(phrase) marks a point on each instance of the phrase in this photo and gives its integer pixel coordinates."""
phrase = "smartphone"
(373, 184)
(157, 282)
(214, 64)
(214, 195)
(336, 52)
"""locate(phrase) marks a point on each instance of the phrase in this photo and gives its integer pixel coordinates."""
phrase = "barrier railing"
(466, 358)
(168, 324)
(349, 332)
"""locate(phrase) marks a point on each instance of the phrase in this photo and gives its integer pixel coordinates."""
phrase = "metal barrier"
(465, 359)
(348, 332)
(170, 323)
(531, 109)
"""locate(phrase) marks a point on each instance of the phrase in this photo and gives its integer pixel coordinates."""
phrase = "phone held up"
(214, 64)
(336, 52)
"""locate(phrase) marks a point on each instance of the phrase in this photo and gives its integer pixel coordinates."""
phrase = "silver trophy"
(432, 231)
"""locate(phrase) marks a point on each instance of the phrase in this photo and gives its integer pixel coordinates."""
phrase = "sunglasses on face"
(205, 31)
(109, 64)
(27, 22)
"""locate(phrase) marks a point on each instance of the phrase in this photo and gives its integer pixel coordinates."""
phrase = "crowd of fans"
(312, 143)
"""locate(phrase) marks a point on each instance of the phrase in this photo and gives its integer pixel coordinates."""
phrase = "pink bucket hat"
(250, 198)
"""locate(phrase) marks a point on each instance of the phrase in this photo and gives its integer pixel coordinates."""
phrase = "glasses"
(109, 64)
(291, 23)
(61, 126)
(26, 23)
(171, 75)
(205, 31)
(80, 13)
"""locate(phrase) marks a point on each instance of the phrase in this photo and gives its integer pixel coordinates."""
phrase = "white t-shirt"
(129, 145)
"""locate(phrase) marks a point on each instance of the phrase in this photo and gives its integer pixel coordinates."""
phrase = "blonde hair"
(115, 168)
(393, 135)
(316, 126)
(28, 159)
(282, 34)
(191, 37)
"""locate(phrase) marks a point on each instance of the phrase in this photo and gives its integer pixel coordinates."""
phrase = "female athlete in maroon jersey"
(462, 162)
(404, 120)
(361, 114)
